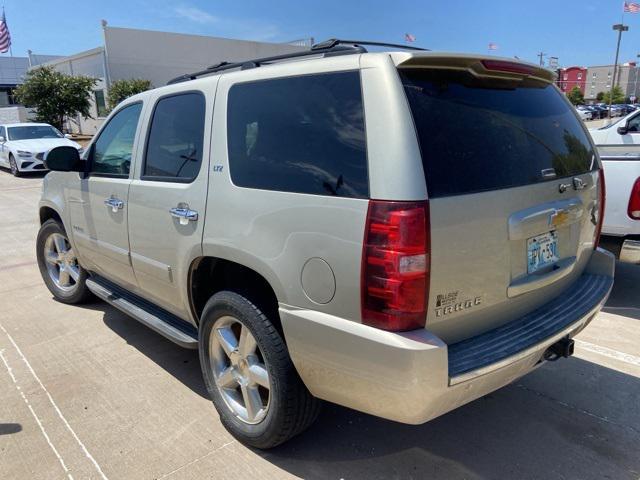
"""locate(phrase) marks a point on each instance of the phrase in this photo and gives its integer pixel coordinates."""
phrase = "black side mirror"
(64, 159)
(623, 130)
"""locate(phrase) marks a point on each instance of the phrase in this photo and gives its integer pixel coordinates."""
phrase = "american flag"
(493, 46)
(409, 38)
(631, 7)
(5, 36)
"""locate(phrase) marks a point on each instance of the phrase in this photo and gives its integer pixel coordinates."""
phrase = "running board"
(164, 323)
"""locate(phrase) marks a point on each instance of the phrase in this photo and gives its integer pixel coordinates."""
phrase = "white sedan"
(24, 145)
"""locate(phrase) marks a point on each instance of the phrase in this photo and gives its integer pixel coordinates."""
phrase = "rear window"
(476, 136)
(299, 134)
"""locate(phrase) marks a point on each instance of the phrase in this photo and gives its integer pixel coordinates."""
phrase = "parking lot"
(86, 392)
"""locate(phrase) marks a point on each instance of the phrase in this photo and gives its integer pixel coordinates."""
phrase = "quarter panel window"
(176, 138)
(301, 134)
(112, 151)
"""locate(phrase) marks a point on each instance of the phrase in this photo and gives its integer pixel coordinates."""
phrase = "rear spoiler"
(488, 67)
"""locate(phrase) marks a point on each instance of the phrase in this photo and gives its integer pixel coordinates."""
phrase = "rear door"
(98, 201)
(167, 199)
(512, 183)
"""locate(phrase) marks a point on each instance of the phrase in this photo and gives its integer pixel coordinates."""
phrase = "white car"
(619, 148)
(24, 145)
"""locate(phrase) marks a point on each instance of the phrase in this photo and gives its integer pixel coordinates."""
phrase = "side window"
(176, 137)
(301, 134)
(111, 152)
(3, 133)
(633, 125)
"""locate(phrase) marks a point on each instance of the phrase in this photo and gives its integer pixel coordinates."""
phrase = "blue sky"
(578, 32)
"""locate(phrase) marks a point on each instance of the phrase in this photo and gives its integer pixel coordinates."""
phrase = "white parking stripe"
(55, 406)
(608, 352)
(44, 432)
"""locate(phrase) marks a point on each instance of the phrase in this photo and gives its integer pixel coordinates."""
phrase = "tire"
(48, 243)
(15, 171)
(289, 409)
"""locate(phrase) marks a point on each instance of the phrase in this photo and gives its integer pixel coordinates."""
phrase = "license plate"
(542, 251)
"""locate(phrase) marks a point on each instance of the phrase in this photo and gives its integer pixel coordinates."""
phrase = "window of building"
(300, 134)
(566, 77)
(176, 138)
(594, 75)
(579, 75)
(101, 106)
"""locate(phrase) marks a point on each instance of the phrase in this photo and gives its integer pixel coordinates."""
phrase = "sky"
(578, 32)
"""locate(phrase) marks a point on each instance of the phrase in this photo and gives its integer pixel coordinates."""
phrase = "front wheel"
(59, 267)
(15, 171)
(254, 386)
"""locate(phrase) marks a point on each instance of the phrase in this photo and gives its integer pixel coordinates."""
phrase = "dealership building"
(156, 56)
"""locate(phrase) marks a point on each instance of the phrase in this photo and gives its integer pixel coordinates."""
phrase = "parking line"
(55, 406)
(44, 432)
(608, 352)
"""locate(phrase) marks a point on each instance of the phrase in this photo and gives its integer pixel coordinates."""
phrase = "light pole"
(620, 28)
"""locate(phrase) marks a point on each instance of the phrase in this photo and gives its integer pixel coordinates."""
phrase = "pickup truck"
(619, 148)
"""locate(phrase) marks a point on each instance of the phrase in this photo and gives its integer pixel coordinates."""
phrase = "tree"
(576, 96)
(121, 89)
(618, 96)
(600, 96)
(55, 95)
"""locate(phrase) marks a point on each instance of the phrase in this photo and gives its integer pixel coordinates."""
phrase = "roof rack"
(332, 47)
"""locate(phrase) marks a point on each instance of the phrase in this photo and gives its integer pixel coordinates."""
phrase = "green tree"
(600, 96)
(55, 95)
(618, 96)
(121, 89)
(576, 96)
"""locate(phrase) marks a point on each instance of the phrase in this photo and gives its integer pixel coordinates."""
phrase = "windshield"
(29, 132)
(478, 135)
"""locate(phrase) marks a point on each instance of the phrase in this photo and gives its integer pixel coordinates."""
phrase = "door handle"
(114, 203)
(184, 214)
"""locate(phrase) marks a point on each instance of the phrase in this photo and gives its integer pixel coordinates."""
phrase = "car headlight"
(24, 153)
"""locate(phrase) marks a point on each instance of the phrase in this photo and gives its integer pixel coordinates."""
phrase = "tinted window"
(3, 133)
(111, 153)
(174, 147)
(299, 134)
(478, 135)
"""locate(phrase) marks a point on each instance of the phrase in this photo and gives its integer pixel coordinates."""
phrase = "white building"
(155, 56)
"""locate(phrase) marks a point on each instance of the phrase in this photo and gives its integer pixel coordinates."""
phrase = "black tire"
(76, 295)
(292, 409)
(14, 166)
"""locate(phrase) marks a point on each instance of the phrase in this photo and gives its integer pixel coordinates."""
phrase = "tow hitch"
(562, 348)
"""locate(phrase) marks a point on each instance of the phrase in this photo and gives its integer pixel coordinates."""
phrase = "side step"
(163, 322)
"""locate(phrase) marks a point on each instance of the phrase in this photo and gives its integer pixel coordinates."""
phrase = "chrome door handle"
(185, 215)
(114, 203)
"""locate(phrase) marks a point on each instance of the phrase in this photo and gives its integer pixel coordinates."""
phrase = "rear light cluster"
(602, 196)
(395, 265)
(509, 67)
(634, 201)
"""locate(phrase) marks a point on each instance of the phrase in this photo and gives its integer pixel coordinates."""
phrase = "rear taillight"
(395, 265)
(634, 201)
(602, 196)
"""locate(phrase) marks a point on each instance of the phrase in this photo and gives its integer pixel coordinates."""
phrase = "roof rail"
(334, 42)
(331, 47)
(247, 64)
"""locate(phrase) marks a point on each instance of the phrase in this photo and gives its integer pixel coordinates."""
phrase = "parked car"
(23, 145)
(619, 145)
(329, 229)
(585, 112)
(603, 112)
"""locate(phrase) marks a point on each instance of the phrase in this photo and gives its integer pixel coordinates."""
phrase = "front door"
(98, 201)
(168, 196)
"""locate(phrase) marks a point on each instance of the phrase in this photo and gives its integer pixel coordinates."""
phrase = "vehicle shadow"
(10, 428)
(624, 299)
(570, 419)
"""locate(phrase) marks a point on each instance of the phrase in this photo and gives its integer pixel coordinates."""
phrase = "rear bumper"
(412, 377)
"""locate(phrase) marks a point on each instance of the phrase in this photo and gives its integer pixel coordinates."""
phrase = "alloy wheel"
(239, 369)
(62, 264)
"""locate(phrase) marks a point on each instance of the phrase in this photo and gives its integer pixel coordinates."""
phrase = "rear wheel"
(254, 386)
(59, 267)
(15, 171)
